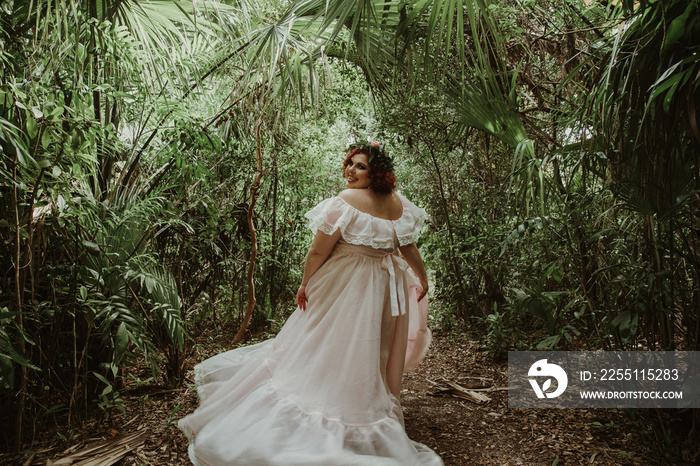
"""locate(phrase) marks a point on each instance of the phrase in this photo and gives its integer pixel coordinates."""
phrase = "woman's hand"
(424, 285)
(301, 297)
(320, 249)
(412, 255)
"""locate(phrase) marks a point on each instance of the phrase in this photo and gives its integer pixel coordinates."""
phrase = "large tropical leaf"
(376, 36)
(645, 102)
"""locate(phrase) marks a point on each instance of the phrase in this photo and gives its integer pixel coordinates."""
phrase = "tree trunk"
(22, 394)
(272, 268)
(253, 240)
(453, 259)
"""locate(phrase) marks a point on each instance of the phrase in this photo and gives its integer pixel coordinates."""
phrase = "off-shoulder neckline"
(403, 209)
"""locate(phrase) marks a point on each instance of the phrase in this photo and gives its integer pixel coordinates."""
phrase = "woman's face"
(357, 172)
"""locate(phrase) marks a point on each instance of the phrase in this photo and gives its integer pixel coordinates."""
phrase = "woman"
(326, 390)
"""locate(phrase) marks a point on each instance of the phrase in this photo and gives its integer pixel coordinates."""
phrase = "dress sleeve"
(328, 216)
(409, 226)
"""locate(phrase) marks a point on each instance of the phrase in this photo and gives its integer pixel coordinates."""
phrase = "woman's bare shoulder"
(387, 206)
(357, 198)
(365, 196)
(353, 194)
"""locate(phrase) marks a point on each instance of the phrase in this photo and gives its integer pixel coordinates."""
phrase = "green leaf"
(32, 128)
(555, 271)
(61, 204)
(121, 341)
(91, 247)
(549, 342)
(678, 27)
(626, 323)
(8, 351)
(58, 111)
(7, 372)
(45, 139)
(102, 378)
(122, 95)
(9, 314)
(77, 139)
(669, 97)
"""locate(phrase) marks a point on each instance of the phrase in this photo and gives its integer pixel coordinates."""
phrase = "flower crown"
(374, 150)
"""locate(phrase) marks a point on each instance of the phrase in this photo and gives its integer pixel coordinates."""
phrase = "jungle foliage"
(158, 156)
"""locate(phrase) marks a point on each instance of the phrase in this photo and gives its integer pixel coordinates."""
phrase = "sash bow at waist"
(396, 292)
(390, 261)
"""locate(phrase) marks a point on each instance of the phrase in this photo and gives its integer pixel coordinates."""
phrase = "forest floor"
(463, 432)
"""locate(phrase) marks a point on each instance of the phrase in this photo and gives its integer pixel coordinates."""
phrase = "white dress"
(318, 393)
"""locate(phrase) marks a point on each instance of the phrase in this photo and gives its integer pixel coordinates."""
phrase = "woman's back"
(387, 206)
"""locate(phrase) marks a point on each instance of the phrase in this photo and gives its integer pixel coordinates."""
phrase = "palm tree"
(381, 38)
(642, 115)
(79, 77)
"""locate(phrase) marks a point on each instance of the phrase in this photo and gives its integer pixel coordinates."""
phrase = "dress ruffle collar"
(364, 229)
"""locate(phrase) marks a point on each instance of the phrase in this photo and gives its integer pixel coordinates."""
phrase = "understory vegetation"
(158, 157)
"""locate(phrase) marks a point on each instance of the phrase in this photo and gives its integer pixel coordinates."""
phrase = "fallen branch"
(105, 453)
(474, 394)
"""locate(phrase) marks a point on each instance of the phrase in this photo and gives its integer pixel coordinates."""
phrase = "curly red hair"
(382, 180)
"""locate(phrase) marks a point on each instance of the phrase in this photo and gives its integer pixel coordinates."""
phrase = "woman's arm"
(320, 249)
(415, 261)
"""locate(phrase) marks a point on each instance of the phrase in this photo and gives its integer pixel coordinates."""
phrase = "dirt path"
(462, 432)
(467, 433)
